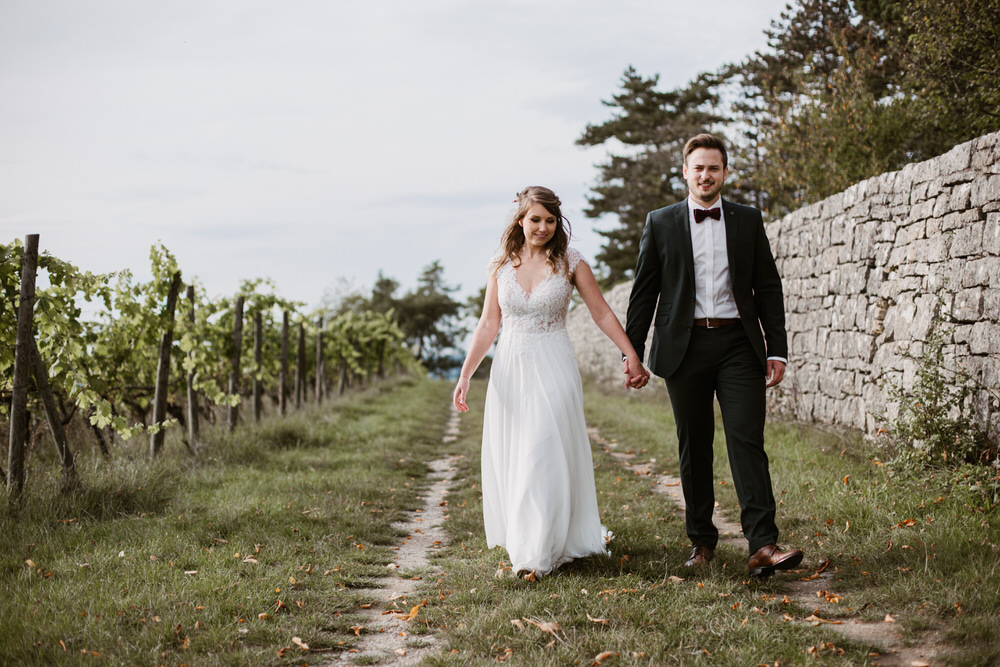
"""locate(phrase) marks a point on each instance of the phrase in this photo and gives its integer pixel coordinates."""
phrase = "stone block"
(986, 152)
(985, 190)
(942, 205)
(911, 232)
(918, 193)
(957, 159)
(961, 196)
(991, 233)
(967, 239)
(923, 210)
(959, 177)
(985, 338)
(979, 272)
(968, 305)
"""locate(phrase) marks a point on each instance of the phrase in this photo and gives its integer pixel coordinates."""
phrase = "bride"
(539, 499)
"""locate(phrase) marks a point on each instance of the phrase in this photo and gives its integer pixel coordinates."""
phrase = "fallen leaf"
(301, 644)
(602, 656)
(889, 619)
(674, 578)
(400, 651)
(548, 627)
(263, 616)
(357, 629)
(251, 560)
(816, 620)
(602, 621)
(517, 623)
(413, 612)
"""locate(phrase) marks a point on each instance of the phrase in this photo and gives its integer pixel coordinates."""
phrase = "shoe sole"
(767, 571)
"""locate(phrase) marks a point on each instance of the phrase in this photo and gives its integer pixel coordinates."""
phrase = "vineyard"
(113, 358)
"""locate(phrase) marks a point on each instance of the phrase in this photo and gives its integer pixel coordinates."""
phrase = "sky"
(317, 142)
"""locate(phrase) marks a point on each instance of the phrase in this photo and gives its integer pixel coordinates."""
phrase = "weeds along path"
(812, 590)
(385, 637)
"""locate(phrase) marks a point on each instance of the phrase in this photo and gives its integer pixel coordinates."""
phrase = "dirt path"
(385, 637)
(813, 589)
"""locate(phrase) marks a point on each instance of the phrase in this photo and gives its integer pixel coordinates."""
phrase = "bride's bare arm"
(607, 321)
(482, 339)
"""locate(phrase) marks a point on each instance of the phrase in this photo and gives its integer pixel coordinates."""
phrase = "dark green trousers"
(720, 363)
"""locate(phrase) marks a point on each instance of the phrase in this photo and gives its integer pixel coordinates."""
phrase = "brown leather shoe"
(700, 556)
(771, 558)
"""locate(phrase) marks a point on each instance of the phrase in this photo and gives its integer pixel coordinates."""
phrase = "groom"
(705, 267)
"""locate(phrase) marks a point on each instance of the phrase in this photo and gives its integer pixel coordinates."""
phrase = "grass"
(300, 510)
(174, 562)
(836, 500)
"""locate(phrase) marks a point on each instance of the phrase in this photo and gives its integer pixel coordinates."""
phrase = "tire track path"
(385, 636)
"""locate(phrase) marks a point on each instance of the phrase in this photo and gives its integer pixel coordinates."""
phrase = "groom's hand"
(637, 379)
(775, 372)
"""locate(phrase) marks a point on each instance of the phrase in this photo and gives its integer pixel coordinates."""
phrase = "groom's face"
(705, 174)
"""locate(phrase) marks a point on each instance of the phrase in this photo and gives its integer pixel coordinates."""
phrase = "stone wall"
(866, 274)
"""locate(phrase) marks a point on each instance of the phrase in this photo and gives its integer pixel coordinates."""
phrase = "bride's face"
(539, 226)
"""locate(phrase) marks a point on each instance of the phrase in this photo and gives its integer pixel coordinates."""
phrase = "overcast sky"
(311, 140)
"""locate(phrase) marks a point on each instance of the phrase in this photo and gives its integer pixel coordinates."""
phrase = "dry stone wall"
(867, 274)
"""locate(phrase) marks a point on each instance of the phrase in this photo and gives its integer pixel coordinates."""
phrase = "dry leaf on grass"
(517, 623)
(548, 627)
(602, 656)
(603, 621)
(816, 620)
(301, 644)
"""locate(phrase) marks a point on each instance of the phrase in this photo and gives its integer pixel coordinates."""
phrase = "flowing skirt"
(539, 499)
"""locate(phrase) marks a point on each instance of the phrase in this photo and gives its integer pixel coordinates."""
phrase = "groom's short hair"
(706, 141)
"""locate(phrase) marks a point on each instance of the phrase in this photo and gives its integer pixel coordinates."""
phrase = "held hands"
(636, 375)
(461, 391)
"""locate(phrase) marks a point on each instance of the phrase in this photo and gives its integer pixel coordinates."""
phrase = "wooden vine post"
(192, 395)
(233, 413)
(163, 369)
(54, 417)
(300, 367)
(258, 363)
(283, 373)
(319, 360)
(22, 370)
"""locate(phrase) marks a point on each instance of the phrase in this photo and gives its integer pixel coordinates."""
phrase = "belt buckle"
(708, 323)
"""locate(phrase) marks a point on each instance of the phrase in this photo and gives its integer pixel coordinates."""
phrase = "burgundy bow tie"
(701, 213)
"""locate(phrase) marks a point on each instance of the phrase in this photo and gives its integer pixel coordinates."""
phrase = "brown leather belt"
(713, 322)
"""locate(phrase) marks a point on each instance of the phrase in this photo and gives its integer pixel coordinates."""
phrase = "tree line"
(844, 90)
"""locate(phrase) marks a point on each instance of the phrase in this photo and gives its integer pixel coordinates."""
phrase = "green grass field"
(270, 535)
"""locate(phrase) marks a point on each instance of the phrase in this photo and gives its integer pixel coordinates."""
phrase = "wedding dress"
(539, 499)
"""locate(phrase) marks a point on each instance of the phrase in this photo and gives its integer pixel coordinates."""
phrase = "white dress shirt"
(713, 293)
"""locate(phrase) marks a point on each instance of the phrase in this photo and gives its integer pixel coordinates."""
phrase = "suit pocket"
(662, 315)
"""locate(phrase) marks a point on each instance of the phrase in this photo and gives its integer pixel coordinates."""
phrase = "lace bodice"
(544, 309)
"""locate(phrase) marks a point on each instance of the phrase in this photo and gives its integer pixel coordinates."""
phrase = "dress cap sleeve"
(574, 257)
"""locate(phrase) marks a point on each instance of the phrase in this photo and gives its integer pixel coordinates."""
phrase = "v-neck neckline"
(527, 293)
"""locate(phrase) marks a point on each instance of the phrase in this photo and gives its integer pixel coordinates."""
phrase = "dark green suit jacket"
(664, 285)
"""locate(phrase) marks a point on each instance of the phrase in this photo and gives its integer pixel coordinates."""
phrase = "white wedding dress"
(539, 499)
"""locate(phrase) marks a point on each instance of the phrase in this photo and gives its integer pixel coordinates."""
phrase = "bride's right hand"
(461, 391)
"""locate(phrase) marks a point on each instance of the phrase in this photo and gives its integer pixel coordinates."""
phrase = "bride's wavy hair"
(513, 237)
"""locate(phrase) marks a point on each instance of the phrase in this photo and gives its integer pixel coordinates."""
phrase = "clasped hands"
(637, 378)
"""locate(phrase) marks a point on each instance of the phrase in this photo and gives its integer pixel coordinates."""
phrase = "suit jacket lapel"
(732, 233)
(683, 221)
